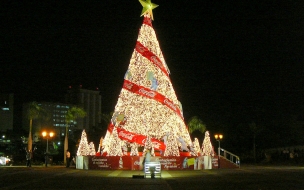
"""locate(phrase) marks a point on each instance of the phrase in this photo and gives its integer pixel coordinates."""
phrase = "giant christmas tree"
(147, 107)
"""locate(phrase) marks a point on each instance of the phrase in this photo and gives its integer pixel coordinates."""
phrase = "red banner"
(136, 162)
(128, 85)
(149, 55)
(137, 138)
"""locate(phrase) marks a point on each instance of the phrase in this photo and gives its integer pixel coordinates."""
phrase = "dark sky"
(228, 60)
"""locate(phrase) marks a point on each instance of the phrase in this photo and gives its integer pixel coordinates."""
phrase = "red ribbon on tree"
(128, 85)
(137, 138)
(151, 56)
(147, 21)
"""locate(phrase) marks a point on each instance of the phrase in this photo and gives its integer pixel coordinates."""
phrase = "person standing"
(46, 158)
(28, 158)
(147, 158)
(68, 156)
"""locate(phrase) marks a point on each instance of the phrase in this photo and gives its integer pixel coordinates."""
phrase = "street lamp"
(218, 138)
(47, 135)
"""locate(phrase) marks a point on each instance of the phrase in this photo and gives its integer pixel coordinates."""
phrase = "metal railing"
(230, 157)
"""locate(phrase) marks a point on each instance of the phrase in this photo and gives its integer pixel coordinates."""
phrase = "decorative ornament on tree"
(183, 144)
(128, 75)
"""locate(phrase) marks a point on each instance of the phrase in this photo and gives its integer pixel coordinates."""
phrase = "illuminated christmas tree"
(91, 149)
(207, 148)
(84, 148)
(115, 142)
(207, 151)
(195, 148)
(171, 147)
(148, 144)
(147, 107)
(196, 145)
(134, 149)
(124, 147)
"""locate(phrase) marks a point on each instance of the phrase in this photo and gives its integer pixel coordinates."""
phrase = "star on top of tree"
(147, 7)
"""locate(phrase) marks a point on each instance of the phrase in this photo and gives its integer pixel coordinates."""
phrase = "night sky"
(230, 62)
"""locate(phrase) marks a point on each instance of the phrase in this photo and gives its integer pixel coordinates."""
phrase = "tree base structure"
(137, 162)
(82, 162)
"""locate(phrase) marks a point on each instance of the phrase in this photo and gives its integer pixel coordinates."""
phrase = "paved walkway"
(59, 177)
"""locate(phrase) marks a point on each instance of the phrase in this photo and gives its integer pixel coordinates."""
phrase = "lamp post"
(218, 138)
(47, 135)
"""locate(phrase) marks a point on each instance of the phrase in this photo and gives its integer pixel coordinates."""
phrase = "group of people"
(29, 156)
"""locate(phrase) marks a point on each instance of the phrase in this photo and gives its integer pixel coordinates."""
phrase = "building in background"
(6, 112)
(54, 119)
(90, 101)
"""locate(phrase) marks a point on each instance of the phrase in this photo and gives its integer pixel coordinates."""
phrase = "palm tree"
(72, 114)
(34, 111)
(195, 124)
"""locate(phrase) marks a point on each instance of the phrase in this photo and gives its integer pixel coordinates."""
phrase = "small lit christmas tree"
(207, 151)
(124, 147)
(147, 106)
(83, 147)
(134, 149)
(172, 147)
(115, 142)
(91, 149)
(207, 148)
(196, 145)
(195, 148)
(148, 144)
